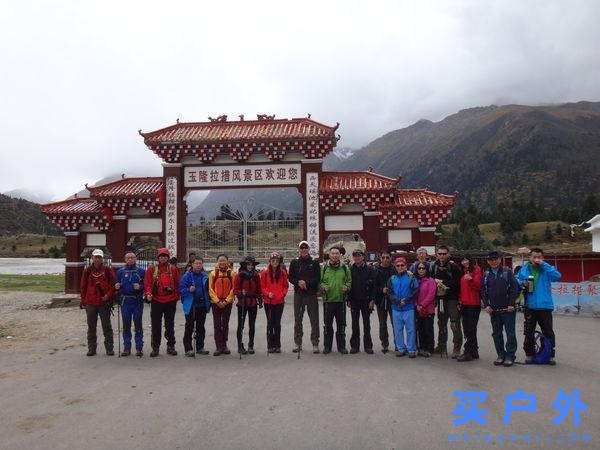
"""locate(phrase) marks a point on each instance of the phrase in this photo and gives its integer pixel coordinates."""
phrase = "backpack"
(543, 349)
(222, 284)
(161, 282)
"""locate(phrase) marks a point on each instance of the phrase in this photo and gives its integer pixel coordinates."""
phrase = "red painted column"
(174, 215)
(375, 241)
(116, 240)
(73, 265)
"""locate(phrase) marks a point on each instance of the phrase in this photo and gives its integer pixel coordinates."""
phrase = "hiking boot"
(91, 352)
(399, 354)
(455, 353)
(425, 354)
(442, 349)
(154, 353)
(190, 354)
(171, 351)
(343, 351)
(465, 357)
(226, 351)
(529, 360)
(139, 353)
(326, 351)
(126, 353)
(242, 350)
(251, 349)
(384, 350)
(110, 352)
(202, 352)
(412, 354)
(277, 350)
(271, 350)
(217, 353)
(499, 361)
(552, 362)
(316, 349)
(508, 363)
(369, 351)
(353, 351)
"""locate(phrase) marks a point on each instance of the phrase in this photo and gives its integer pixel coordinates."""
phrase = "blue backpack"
(543, 349)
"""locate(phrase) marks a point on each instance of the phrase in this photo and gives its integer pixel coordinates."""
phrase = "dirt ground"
(53, 396)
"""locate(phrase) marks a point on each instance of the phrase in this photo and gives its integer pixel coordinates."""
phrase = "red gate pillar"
(376, 239)
(174, 216)
(116, 240)
(313, 216)
(73, 265)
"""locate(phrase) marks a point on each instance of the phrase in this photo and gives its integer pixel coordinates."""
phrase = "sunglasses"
(421, 268)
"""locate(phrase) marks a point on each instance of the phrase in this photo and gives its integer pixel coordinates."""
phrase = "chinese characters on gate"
(171, 215)
(312, 212)
(242, 175)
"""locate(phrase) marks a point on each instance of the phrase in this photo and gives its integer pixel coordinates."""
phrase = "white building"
(595, 230)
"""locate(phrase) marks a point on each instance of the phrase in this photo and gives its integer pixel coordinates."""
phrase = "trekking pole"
(301, 315)
(194, 325)
(119, 324)
(243, 322)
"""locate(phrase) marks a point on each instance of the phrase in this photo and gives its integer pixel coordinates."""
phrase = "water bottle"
(530, 280)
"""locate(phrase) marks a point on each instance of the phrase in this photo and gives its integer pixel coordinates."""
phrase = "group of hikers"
(410, 295)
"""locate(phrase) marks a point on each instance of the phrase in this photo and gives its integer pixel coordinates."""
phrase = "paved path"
(53, 396)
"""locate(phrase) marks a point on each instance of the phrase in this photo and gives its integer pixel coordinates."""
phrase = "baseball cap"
(357, 251)
(162, 251)
(98, 252)
(303, 243)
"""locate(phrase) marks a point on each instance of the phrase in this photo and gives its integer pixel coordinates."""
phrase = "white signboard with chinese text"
(171, 215)
(312, 212)
(241, 175)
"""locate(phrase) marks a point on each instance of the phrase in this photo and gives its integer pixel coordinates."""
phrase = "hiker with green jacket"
(336, 281)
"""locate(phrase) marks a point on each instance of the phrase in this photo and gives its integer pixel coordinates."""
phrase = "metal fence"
(237, 238)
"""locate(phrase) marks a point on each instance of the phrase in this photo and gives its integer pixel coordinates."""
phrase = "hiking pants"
(157, 311)
(404, 320)
(470, 319)
(543, 317)
(194, 320)
(221, 324)
(355, 313)
(249, 311)
(504, 321)
(274, 313)
(92, 312)
(303, 300)
(425, 332)
(337, 311)
(450, 312)
(132, 309)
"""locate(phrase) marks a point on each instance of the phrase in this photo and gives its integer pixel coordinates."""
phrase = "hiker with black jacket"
(499, 290)
(447, 275)
(304, 274)
(383, 272)
(360, 301)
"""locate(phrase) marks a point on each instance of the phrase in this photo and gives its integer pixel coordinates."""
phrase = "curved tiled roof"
(73, 206)
(240, 130)
(346, 182)
(128, 187)
(419, 198)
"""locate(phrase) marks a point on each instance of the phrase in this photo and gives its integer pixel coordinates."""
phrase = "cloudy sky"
(78, 79)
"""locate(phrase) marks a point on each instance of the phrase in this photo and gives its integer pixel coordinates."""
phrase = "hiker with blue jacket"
(130, 287)
(193, 288)
(403, 288)
(535, 277)
(499, 290)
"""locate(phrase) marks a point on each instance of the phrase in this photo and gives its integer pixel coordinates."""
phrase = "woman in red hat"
(274, 286)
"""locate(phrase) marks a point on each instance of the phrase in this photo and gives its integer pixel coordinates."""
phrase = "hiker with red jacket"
(470, 306)
(220, 289)
(161, 284)
(97, 292)
(274, 286)
(246, 287)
